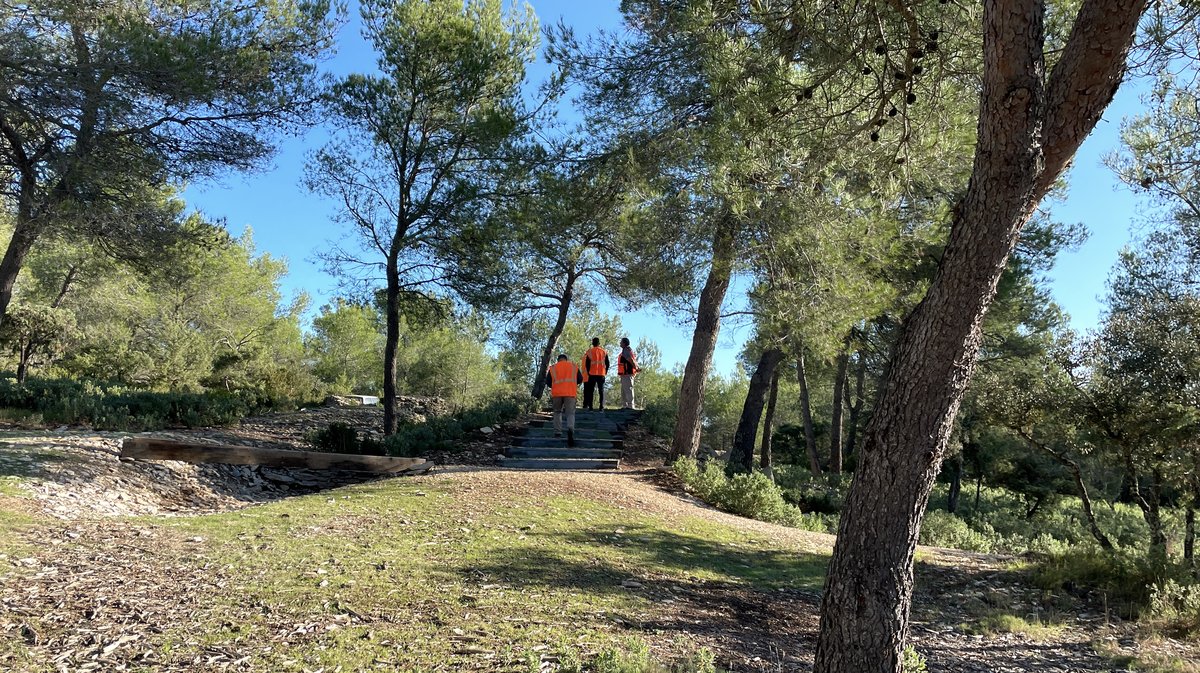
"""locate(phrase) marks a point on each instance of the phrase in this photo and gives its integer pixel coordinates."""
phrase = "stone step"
(580, 441)
(546, 452)
(561, 463)
(581, 426)
(594, 433)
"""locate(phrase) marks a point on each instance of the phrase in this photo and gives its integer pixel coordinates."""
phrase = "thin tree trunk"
(539, 376)
(860, 382)
(955, 484)
(391, 345)
(1080, 487)
(810, 436)
(766, 460)
(1189, 538)
(835, 428)
(1150, 506)
(23, 362)
(1086, 500)
(741, 457)
(704, 341)
(1029, 128)
(65, 289)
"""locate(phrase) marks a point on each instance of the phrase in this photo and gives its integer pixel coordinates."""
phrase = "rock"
(631, 584)
(486, 430)
(342, 401)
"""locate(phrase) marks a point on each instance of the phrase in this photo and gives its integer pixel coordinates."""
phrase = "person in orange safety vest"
(595, 368)
(564, 378)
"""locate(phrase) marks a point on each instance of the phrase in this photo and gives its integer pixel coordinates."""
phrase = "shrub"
(755, 496)
(911, 661)
(114, 407)
(823, 493)
(1123, 579)
(444, 432)
(1175, 608)
(658, 417)
(942, 529)
(751, 495)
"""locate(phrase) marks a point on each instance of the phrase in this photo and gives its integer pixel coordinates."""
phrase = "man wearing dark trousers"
(595, 363)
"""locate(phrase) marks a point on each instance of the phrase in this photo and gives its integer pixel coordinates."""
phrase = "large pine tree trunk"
(704, 341)
(741, 457)
(839, 406)
(766, 460)
(810, 435)
(1029, 128)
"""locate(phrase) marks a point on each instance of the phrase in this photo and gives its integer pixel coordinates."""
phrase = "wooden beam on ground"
(153, 448)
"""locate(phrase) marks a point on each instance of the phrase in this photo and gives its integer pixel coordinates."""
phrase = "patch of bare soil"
(100, 595)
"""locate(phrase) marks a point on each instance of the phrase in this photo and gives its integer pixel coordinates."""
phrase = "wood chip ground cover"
(463, 570)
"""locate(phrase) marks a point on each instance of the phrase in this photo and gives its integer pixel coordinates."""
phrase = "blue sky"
(291, 223)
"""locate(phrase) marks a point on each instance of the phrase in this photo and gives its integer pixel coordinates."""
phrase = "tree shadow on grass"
(757, 608)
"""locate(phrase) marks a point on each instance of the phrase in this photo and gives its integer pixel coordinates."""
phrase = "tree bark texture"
(704, 341)
(810, 438)
(839, 406)
(1029, 128)
(539, 376)
(741, 457)
(766, 460)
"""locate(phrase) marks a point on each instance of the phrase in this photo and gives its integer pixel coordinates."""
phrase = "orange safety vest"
(596, 354)
(621, 366)
(564, 375)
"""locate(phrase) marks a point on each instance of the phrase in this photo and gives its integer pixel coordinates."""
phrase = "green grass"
(414, 576)
(999, 622)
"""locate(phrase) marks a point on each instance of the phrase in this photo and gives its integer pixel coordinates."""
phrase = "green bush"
(1122, 579)
(823, 493)
(114, 407)
(750, 495)
(1175, 608)
(658, 417)
(942, 529)
(754, 495)
(444, 432)
(912, 661)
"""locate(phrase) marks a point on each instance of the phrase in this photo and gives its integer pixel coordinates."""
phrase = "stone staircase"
(599, 442)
